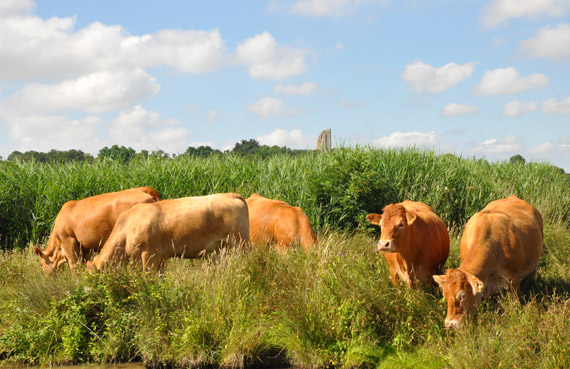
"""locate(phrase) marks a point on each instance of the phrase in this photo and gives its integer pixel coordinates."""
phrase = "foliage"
(336, 190)
(333, 307)
(51, 156)
(517, 159)
(121, 154)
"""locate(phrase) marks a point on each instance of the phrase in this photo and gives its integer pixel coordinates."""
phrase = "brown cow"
(83, 226)
(500, 246)
(188, 227)
(414, 241)
(276, 222)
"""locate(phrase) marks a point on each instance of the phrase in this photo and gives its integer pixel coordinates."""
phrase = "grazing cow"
(276, 222)
(414, 241)
(188, 227)
(500, 246)
(83, 226)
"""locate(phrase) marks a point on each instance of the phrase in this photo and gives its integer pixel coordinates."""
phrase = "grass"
(336, 190)
(334, 307)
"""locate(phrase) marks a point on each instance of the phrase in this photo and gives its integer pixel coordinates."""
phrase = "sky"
(476, 78)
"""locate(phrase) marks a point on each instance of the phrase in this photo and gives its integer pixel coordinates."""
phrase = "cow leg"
(71, 249)
(394, 275)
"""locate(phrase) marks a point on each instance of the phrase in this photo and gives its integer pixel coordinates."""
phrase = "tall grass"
(336, 190)
(333, 307)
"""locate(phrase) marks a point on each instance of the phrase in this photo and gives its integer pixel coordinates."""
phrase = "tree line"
(125, 154)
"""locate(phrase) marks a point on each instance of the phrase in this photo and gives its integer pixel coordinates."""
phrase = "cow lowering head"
(395, 223)
(463, 291)
(51, 260)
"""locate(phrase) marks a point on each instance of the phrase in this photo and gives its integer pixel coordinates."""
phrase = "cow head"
(395, 223)
(463, 291)
(51, 261)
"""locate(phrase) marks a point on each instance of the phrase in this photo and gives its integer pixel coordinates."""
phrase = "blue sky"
(475, 78)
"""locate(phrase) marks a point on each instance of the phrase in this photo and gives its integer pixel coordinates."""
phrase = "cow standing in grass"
(500, 246)
(277, 223)
(83, 226)
(414, 241)
(188, 227)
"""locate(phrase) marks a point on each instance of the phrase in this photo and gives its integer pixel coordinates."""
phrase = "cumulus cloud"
(141, 129)
(43, 133)
(454, 109)
(423, 77)
(269, 60)
(518, 108)
(16, 7)
(292, 139)
(508, 81)
(97, 92)
(408, 139)
(307, 88)
(33, 48)
(551, 43)
(267, 107)
(556, 107)
(502, 147)
(558, 147)
(500, 11)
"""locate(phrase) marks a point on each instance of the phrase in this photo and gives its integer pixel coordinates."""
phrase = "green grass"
(336, 190)
(333, 307)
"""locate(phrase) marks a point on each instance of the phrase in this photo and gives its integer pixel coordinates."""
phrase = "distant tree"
(517, 159)
(201, 151)
(52, 156)
(122, 154)
(246, 147)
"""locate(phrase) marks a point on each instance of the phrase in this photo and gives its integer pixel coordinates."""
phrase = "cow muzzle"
(452, 323)
(386, 246)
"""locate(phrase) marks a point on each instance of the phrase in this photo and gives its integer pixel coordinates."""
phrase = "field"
(333, 307)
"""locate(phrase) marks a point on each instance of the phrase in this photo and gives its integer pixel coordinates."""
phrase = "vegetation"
(333, 307)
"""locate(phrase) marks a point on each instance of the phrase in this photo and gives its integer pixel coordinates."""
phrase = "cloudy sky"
(479, 78)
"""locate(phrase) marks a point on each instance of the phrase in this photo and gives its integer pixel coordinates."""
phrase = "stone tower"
(324, 141)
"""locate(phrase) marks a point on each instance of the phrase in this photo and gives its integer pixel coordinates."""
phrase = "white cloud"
(94, 93)
(266, 107)
(34, 48)
(43, 133)
(292, 139)
(502, 147)
(16, 7)
(212, 116)
(423, 77)
(559, 147)
(518, 108)
(454, 109)
(500, 11)
(269, 60)
(556, 107)
(552, 43)
(508, 81)
(408, 139)
(307, 88)
(141, 129)
(322, 8)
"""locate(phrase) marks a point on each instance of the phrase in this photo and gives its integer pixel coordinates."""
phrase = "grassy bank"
(336, 190)
(333, 307)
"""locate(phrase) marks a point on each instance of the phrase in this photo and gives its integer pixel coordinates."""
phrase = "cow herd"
(501, 245)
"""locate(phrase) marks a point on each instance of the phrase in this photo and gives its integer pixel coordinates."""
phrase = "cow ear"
(38, 252)
(410, 216)
(440, 280)
(374, 218)
(476, 284)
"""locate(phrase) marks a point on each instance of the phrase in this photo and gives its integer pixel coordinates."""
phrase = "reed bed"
(336, 190)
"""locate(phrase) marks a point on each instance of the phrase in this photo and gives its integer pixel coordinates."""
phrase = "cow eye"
(401, 224)
(460, 296)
